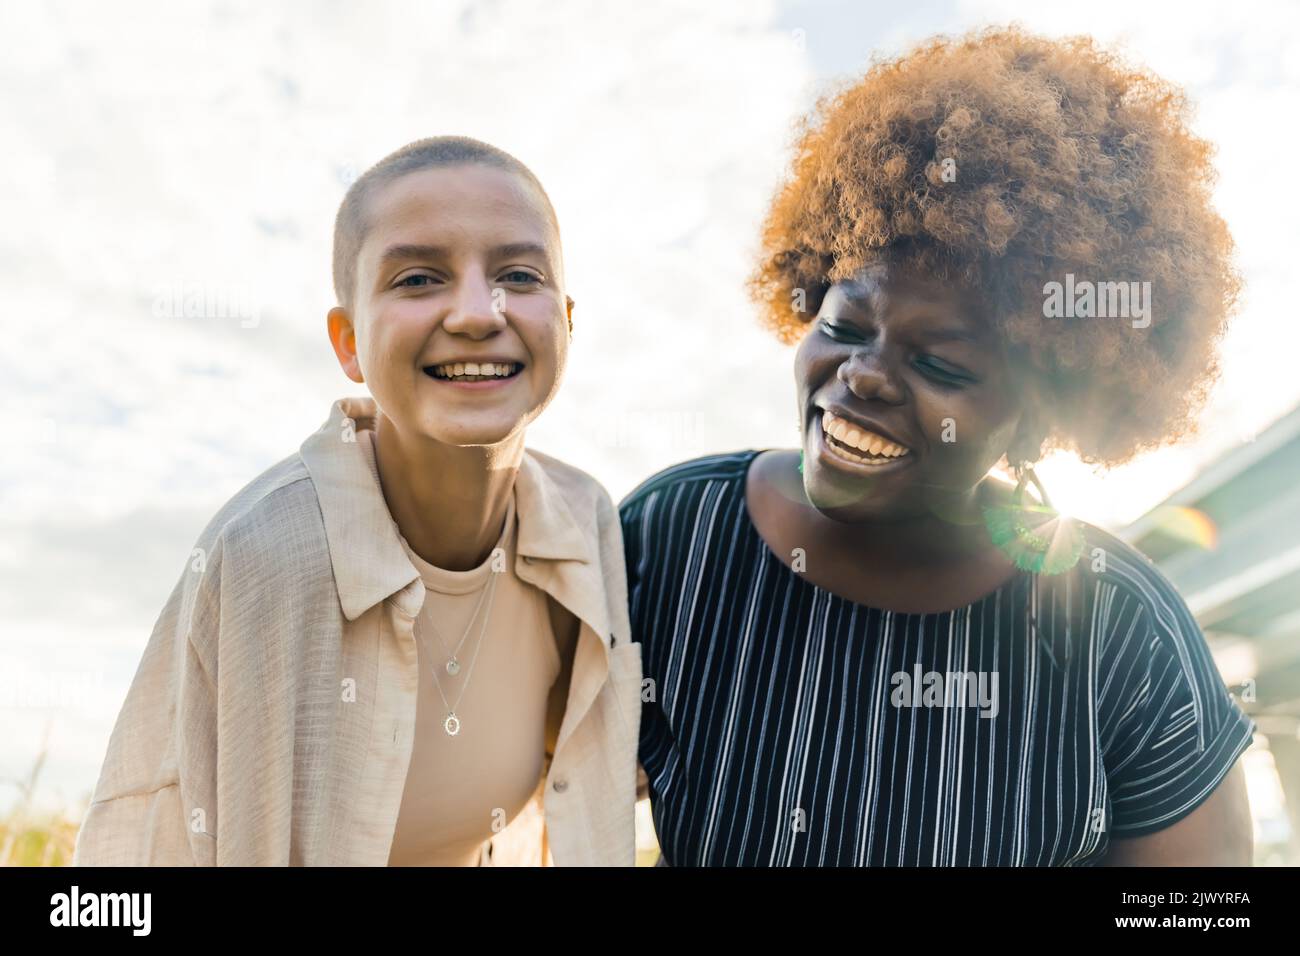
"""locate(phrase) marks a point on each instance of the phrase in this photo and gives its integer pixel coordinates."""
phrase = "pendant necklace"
(453, 660)
(451, 723)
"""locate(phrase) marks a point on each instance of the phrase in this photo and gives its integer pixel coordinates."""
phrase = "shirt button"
(561, 785)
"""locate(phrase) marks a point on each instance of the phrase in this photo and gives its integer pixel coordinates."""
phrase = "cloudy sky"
(161, 147)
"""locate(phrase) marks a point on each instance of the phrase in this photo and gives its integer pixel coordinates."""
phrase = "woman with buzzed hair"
(869, 650)
(407, 643)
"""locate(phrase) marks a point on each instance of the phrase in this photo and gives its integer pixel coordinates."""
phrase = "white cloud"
(156, 145)
(208, 146)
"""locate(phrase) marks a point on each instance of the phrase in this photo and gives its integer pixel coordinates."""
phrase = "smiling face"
(459, 272)
(915, 391)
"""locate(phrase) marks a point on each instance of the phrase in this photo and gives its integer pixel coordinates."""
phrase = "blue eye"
(409, 278)
(519, 275)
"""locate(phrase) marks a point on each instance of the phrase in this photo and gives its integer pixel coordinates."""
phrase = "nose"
(868, 376)
(477, 309)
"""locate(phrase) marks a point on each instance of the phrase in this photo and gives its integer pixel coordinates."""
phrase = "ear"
(1027, 441)
(1035, 423)
(343, 336)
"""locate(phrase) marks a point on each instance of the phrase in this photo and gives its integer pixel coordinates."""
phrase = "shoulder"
(1151, 642)
(697, 472)
(1132, 577)
(569, 479)
(582, 492)
(274, 517)
(1172, 730)
(585, 498)
(264, 548)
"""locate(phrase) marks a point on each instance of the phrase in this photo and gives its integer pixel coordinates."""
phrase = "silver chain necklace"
(451, 723)
(453, 660)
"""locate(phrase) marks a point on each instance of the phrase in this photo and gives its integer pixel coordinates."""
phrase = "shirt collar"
(369, 561)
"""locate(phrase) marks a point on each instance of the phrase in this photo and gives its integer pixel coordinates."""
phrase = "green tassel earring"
(1034, 535)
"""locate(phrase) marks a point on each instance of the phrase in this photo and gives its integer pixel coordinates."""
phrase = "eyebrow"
(405, 251)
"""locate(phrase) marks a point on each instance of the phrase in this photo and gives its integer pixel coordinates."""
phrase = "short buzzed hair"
(351, 224)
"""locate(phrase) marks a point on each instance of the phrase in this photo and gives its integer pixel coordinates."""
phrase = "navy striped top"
(791, 726)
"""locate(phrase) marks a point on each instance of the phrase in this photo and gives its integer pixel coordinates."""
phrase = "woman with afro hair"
(871, 650)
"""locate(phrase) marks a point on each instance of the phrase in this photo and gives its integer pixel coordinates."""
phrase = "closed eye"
(841, 333)
(943, 373)
(937, 370)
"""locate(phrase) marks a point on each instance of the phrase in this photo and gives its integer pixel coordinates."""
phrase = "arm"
(1176, 787)
(1217, 833)
(154, 803)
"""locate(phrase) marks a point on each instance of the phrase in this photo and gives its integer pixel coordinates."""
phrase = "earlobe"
(1032, 429)
(1027, 440)
(343, 338)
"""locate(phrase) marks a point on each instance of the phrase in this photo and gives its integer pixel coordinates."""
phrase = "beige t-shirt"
(462, 789)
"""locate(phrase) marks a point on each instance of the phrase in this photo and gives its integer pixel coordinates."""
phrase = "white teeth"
(476, 369)
(867, 442)
(839, 452)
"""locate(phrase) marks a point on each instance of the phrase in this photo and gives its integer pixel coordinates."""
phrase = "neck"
(449, 501)
(951, 534)
(951, 531)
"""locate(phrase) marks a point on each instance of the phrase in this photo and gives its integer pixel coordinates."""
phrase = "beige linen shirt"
(272, 716)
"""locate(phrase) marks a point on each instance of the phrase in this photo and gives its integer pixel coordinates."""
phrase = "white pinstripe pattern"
(775, 697)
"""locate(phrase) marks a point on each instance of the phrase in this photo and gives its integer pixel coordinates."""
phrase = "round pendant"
(453, 667)
(451, 725)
